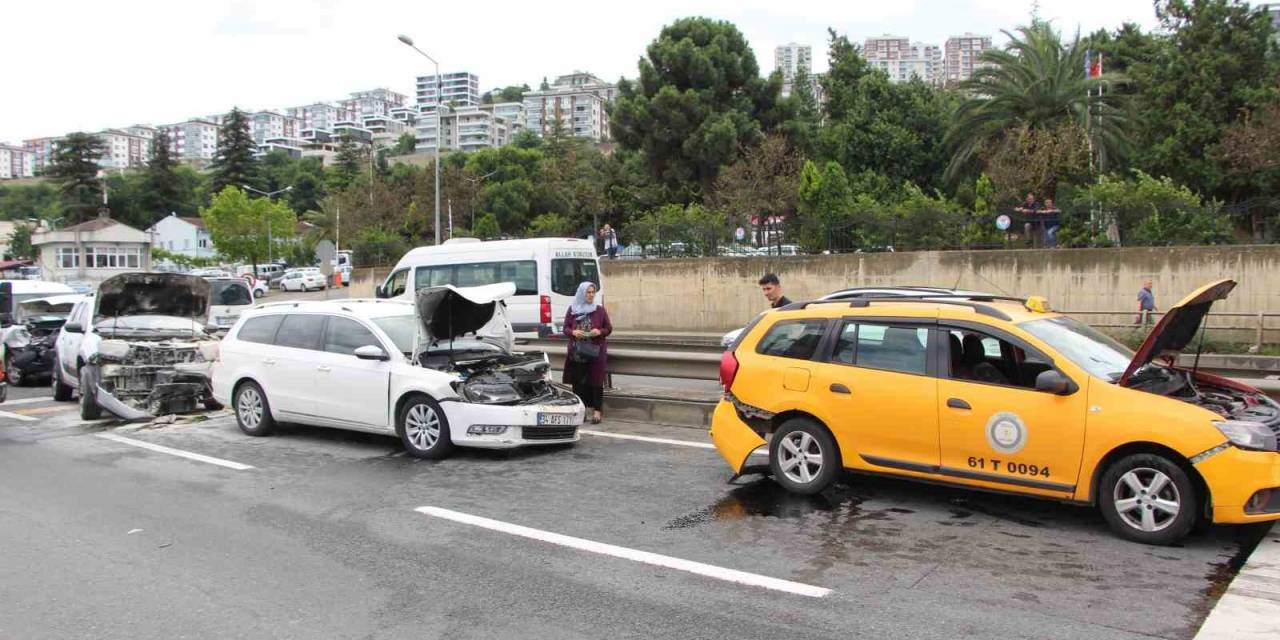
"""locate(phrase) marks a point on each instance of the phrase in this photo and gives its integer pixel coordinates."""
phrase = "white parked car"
(228, 298)
(137, 347)
(437, 371)
(303, 280)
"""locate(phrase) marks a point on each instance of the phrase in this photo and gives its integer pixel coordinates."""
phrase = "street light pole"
(439, 103)
(265, 219)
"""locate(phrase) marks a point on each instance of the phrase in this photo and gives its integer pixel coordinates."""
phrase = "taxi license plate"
(555, 419)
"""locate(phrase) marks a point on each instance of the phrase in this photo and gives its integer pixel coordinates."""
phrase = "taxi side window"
(978, 357)
(793, 339)
(881, 346)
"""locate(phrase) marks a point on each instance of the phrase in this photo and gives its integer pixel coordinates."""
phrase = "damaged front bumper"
(143, 391)
(552, 419)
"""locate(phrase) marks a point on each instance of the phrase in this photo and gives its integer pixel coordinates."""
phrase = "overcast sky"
(88, 64)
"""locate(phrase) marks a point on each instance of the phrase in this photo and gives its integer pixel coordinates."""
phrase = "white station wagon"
(437, 371)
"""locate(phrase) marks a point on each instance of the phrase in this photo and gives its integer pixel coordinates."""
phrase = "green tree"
(20, 242)
(1036, 82)
(698, 102)
(487, 227)
(405, 144)
(872, 124)
(1220, 63)
(246, 229)
(75, 172)
(762, 185)
(234, 163)
(825, 200)
(550, 225)
(162, 182)
(513, 93)
(41, 200)
(1144, 210)
(346, 164)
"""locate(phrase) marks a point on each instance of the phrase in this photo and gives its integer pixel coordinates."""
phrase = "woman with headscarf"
(587, 325)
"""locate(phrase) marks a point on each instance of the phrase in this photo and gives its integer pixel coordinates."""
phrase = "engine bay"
(500, 378)
(1199, 389)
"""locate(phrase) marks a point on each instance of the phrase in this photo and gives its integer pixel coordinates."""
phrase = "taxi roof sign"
(1037, 304)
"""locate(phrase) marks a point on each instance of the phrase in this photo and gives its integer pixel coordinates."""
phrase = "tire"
(14, 374)
(1125, 497)
(817, 469)
(89, 409)
(253, 413)
(415, 422)
(61, 392)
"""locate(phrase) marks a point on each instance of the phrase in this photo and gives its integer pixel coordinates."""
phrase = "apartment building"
(458, 89)
(385, 130)
(578, 100)
(270, 124)
(41, 150)
(902, 59)
(962, 55)
(789, 58)
(320, 115)
(193, 140)
(375, 102)
(468, 128)
(16, 162)
(124, 150)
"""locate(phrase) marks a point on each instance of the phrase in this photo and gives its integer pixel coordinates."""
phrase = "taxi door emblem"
(1006, 432)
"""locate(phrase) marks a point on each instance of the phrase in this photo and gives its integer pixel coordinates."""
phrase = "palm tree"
(1035, 83)
(324, 223)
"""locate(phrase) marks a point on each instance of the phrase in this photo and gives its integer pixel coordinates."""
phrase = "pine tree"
(75, 171)
(162, 183)
(234, 165)
(346, 164)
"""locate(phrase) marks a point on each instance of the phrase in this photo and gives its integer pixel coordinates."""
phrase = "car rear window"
(301, 331)
(261, 329)
(568, 273)
(227, 293)
(792, 339)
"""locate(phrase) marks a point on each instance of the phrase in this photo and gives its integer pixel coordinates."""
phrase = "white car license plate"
(555, 419)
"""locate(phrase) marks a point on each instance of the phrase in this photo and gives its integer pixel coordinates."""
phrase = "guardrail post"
(1262, 319)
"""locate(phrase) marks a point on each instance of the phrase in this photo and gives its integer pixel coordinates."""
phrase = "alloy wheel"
(800, 457)
(1147, 499)
(422, 426)
(249, 407)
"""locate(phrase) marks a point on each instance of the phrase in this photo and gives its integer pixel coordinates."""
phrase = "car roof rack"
(972, 301)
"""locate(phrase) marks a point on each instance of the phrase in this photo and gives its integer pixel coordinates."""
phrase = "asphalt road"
(320, 538)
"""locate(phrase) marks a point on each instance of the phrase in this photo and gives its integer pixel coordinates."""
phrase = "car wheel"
(1148, 498)
(424, 429)
(15, 375)
(803, 456)
(253, 414)
(89, 409)
(61, 392)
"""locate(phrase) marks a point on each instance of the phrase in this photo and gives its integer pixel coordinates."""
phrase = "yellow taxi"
(1002, 394)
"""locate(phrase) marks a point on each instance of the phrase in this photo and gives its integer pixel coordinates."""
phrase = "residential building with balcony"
(41, 150)
(385, 130)
(320, 115)
(579, 100)
(376, 102)
(788, 59)
(902, 59)
(407, 115)
(123, 150)
(458, 89)
(270, 124)
(468, 128)
(962, 56)
(16, 162)
(192, 141)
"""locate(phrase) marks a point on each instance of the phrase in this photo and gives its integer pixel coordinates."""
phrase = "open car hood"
(152, 294)
(448, 312)
(1178, 327)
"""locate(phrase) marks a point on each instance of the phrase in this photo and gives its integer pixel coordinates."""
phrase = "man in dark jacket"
(772, 289)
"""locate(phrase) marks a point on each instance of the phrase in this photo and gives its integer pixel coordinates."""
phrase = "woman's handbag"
(584, 352)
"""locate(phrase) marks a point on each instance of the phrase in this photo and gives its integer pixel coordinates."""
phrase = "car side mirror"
(379, 292)
(73, 327)
(371, 352)
(1052, 381)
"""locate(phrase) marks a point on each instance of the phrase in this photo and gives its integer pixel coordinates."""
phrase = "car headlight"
(1247, 435)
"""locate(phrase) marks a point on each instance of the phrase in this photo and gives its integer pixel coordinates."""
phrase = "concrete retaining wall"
(721, 293)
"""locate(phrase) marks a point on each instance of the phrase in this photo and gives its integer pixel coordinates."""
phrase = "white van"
(546, 272)
(13, 292)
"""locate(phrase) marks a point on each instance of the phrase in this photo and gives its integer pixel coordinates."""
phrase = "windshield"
(1090, 349)
(401, 329)
(228, 293)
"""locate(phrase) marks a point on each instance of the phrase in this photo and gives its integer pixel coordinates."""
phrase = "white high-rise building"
(376, 102)
(320, 115)
(902, 59)
(123, 150)
(579, 100)
(788, 59)
(961, 56)
(16, 162)
(468, 128)
(192, 141)
(459, 89)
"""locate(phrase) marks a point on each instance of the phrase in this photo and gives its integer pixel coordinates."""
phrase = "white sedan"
(303, 280)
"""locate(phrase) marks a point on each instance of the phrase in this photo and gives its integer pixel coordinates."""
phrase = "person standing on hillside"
(772, 289)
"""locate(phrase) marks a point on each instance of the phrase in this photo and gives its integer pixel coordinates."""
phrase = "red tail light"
(728, 370)
(544, 309)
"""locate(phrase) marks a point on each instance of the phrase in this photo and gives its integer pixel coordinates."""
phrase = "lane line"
(41, 410)
(708, 570)
(680, 443)
(174, 452)
(17, 416)
(30, 400)
(1251, 605)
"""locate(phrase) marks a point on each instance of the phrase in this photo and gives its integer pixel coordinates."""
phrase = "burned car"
(439, 372)
(143, 350)
(29, 341)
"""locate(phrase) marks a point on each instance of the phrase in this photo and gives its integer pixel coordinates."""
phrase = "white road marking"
(710, 571)
(1251, 605)
(17, 416)
(174, 452)
(29, 400)
(680, 443)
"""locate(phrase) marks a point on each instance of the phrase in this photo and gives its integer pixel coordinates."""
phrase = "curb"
(1251, 606)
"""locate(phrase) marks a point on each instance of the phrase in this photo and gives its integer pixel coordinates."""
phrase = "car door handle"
(836, 387)
(269, 361)
(323, 368)
(957, 403)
